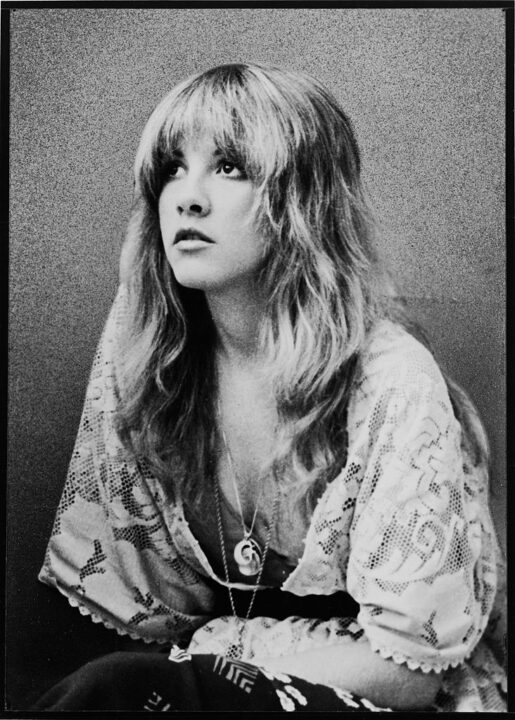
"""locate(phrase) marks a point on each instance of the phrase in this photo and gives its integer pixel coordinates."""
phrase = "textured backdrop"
(425, 89)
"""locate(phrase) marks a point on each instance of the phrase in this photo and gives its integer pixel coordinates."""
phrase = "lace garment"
(405, 529)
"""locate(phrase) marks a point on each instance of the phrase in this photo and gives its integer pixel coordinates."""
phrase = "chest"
(247, 422)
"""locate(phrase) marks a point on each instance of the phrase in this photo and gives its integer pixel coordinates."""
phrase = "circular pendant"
(248, 556)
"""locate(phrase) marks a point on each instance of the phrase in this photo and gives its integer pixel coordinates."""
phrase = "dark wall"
(425, 89)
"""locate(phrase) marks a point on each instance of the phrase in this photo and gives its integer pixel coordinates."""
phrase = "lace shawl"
(405, 529)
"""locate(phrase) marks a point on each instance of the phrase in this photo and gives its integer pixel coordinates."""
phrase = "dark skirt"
(158, 682)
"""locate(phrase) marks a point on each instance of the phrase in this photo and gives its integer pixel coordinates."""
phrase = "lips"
(191, 234)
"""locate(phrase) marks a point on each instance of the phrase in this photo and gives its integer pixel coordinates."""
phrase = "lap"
(139, 681)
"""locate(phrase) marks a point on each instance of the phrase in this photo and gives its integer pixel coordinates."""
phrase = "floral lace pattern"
(405, 529)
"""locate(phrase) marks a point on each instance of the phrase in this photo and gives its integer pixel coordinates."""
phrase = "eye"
(173, 169)
(230, 169)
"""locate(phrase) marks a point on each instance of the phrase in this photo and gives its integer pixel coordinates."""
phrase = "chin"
(210, 284)
(193, 283)
(198, 281)
(189, 276)
(209, 277)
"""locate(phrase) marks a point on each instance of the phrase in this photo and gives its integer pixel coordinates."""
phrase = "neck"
(237, 316)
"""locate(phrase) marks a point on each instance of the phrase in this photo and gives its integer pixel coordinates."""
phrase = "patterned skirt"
(178, 681)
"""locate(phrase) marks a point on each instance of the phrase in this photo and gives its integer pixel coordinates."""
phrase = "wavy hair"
(321, 278)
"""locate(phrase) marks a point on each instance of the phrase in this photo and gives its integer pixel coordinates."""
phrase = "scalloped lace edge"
(497, 676)
(494, 671)
(99, 620)
(426, 667)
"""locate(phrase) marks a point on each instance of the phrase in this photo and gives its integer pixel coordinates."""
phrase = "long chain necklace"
(235, 650)
(248, 553)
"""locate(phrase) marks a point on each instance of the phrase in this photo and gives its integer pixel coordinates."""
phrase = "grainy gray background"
(425, 89)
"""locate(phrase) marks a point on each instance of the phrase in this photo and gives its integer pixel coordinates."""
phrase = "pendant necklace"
(235, 649)
(248, 553)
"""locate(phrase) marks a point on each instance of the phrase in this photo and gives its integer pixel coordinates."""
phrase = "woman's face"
(207, 222)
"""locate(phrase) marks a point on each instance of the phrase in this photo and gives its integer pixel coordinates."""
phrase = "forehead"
(203, 143)
(199, 113)
(235, 125)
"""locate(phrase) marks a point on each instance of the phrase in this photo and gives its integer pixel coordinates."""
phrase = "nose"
(193, 201)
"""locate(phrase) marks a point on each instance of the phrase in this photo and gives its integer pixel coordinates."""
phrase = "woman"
(271, 473)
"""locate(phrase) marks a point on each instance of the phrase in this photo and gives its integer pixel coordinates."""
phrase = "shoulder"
(110, 349)
(391, 355)
(116, 320)
(397, 382)
(121, 301)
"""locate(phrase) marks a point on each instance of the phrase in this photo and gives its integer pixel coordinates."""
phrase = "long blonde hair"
(321, 278)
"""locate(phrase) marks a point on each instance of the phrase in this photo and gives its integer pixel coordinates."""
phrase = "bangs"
(228, 105)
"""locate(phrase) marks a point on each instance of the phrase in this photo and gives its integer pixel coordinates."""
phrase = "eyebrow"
(217, 153)
(179, 153)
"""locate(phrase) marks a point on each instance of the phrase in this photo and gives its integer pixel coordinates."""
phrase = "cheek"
(244, 217)
(164, 208)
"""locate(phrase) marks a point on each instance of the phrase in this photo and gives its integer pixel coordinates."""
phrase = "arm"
(361, 671)
(113, 548)
(420, 562)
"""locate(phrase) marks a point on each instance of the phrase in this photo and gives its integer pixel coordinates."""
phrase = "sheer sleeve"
(422, 562)
(111, 551)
